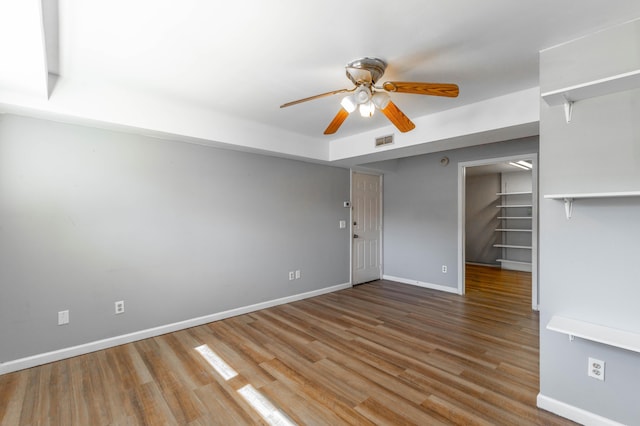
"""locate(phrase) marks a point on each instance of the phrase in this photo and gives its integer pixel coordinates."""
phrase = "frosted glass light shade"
(380, 100)
(367, 109)
(349, 103)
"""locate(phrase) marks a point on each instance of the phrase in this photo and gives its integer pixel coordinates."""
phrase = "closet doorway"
(498, 222)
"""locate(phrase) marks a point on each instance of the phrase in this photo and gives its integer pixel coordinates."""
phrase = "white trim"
(576, 414)
(381, 225)
(45, 358)
(350, 227)
(462, 241)
(421, 284)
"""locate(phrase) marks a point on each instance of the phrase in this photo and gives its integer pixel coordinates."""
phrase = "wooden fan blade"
(337, 122)
(398, 118)
(434, 89)
(310, 98)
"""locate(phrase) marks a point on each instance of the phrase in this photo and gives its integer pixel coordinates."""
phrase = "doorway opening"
(498, 225)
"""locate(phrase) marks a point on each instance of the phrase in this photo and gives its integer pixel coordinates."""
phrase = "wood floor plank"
(297, 407)
(382, 413)
(150, 406)
(315, 392)
(380, 353)
(225, 406)
(12, 392)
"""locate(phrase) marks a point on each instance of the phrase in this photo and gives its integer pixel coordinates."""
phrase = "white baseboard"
(576, 414)
(421, 284)
(45, 358)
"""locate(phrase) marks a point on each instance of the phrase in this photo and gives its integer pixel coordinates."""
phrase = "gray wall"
(481, 218)
(589, 265)
(421, 212)
(178, 231)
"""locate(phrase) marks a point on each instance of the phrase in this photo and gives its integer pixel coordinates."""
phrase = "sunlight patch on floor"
(216, 362)
(264, 407)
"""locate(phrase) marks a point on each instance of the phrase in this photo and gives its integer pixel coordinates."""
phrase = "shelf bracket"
(568, 207)
(571, 337)
(568, 109)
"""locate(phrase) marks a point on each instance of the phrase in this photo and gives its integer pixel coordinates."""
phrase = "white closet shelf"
(519, 262)
(512, 246)
(568, 198)
(514, 193)
(515, 240)
(567, 96)
(596, 333)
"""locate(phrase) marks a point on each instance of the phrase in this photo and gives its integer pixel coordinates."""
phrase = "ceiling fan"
(367, 97)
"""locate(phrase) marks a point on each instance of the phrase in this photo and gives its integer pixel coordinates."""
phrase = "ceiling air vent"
(384, 140)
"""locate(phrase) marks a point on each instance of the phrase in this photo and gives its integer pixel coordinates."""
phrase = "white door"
(367, 227)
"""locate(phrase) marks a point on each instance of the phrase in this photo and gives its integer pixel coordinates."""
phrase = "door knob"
(355, 236)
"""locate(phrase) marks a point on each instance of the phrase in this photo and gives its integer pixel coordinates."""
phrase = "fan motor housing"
(375, 66)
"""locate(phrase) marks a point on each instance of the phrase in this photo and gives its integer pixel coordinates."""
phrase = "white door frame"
(533, 157)
(380, 176)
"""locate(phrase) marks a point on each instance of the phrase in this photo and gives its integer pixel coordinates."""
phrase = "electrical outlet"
(119, 307)
(596, 369)
(444, 269)
(63, 317)
(292, 275)
(298, 274)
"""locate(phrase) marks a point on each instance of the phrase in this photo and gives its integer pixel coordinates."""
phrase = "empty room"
(301, 213)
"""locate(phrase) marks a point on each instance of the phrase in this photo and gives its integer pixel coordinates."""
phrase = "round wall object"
(444, 161)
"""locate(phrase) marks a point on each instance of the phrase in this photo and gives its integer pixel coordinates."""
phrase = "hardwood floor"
(379, 353)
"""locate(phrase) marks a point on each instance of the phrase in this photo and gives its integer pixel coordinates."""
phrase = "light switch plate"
(63, 317)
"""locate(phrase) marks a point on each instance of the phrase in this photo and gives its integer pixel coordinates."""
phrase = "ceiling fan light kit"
(367, 97)
(381, 100)
(367, 109)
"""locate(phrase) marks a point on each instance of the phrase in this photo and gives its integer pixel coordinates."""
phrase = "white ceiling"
(169, 66)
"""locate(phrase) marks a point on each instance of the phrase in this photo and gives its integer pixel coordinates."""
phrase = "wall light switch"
(63, 317)
(343, 224)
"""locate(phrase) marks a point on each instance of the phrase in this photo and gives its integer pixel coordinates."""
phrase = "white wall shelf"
(596, 333)
(568, 198)
(594, 195)
(567, 96)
